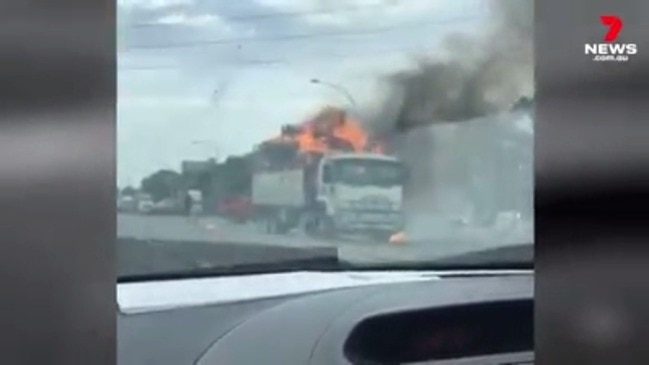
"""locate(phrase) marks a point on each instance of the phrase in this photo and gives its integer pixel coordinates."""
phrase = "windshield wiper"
(511, 257)
(147, 260)
(314, 264)
(500, 258)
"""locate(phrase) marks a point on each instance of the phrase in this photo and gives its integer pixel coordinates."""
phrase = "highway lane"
(217, 230)
(441, 241)
(210, 229)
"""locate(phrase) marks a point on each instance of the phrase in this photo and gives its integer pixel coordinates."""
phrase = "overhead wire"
(291, 37)
(291, 14)
(281, 61)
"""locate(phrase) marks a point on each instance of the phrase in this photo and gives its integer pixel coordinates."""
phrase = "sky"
(212, 78)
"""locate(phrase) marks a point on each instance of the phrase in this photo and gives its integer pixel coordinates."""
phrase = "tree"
(129, 191)
(162, 184)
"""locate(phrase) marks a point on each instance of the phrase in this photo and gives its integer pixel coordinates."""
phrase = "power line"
(262, 16)
(283, 61)
(290, 37)
(242, 62)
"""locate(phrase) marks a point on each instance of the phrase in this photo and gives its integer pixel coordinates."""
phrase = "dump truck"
(327, 177)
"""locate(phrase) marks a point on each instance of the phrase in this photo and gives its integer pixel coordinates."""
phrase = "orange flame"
(399, 238)
(316, 133)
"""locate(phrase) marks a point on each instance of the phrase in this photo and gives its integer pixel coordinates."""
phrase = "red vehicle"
(236, 208)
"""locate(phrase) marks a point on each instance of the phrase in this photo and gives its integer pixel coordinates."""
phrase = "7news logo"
(611, 50)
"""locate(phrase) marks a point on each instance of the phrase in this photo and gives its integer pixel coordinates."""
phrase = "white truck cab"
(361, 192)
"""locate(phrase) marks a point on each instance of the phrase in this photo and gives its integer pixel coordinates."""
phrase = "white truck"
(331, 194)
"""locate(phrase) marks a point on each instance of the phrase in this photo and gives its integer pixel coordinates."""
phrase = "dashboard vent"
(443, 333)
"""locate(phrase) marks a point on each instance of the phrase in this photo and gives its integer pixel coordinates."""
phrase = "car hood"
(142, 297)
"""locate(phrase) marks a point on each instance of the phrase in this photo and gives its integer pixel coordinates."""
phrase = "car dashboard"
(453, 319)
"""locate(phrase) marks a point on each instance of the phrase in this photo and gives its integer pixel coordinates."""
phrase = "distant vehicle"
(196, 195)
(236, 208)
(144, 204)
(196, 200)
(126, 204)
(166, 206)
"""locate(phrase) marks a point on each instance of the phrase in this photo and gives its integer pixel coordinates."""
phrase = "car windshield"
(234, 117)
(363, 172)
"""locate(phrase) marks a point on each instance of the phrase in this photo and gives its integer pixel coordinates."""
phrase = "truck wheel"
(310, 225)
(327, 227)
(280, 227)
(273, 225)
(259, 224)
(281, 222)
(382, 236)
(266, 224)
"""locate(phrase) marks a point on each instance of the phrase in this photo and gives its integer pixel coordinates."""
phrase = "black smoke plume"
(471, 83)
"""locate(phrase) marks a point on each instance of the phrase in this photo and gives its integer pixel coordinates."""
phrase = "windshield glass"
(359, 172)
(228, 110)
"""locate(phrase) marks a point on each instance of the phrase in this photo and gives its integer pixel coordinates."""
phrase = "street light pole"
(338, 88)
(210, 190)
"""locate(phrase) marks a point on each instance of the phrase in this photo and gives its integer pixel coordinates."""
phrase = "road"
(218, 231)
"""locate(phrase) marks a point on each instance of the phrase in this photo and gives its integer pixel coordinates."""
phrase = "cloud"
(151, 23)
(214, 24)
(351, 13)
(166, 94)
(184, 19)
(151, 4)
(156, 101)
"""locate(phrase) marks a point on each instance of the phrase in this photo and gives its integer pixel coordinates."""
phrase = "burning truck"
(327, 176)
